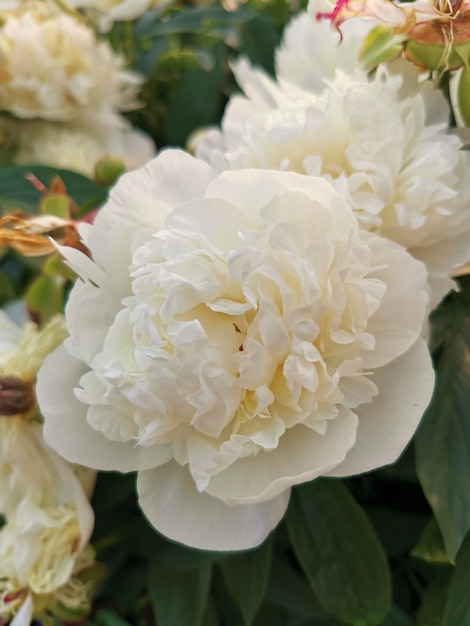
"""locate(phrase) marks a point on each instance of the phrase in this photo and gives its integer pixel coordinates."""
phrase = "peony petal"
(302, 455)
(251, 190)
(387, 424)
(395, 325)
(216, 219)
(63, 484)
(66, 429)
(170, 500)
(82, 264)
(25, 614)
(144, 197)
(88, 329)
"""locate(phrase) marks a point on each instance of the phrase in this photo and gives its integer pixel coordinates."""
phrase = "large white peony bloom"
(48, 519)
(384, 140)
(53, 68)
(234, 335)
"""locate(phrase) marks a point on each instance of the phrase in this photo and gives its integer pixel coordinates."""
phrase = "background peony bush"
(234, 380)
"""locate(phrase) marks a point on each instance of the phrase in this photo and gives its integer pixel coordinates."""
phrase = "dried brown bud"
(16, 396)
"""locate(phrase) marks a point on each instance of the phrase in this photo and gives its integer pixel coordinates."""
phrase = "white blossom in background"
(383, 141)
(105, 12)
(48, 519)
(54, 68)
(311, 52)
(79, 147)
(233, 335)
(41, 560)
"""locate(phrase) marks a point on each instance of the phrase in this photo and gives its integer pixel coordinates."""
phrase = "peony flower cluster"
(247, 337)
(53, 68)
(47, 517)
(381, 139)
(66, 89)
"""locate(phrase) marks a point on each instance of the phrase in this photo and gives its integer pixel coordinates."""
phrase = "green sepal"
(381, 45)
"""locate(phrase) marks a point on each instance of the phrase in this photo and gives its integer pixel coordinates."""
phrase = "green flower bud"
(108, 169)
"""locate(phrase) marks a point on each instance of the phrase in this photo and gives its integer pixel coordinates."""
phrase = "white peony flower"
(106, 12)
(48, 517)
(311, 52)
(79, 147)
(53, 68)
(234, 335)
(384, 141)
(41, 558)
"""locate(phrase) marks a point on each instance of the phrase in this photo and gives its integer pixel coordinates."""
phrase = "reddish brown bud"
(16, 396)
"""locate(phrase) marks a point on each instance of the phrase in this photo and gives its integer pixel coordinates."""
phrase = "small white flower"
(234, 335)
(383, 141)
(53, 68)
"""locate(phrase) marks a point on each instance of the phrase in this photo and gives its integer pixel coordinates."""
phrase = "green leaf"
(270, 615)
(201, 20)
(246, 578)
(258, 41)
(211, 616)
(339, 551)
(169, 554)
(398, 531)
(197, 99)
(431, 610)
(396, 617)
(179, 597)
(457, 610)
(229, 612)
(16, 192)
(289, 589)
(443, 440)
(107, 617)
(380, 45)
(430, 547)
(463, 95)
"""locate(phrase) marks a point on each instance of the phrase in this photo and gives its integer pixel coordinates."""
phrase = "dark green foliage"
(443, 440)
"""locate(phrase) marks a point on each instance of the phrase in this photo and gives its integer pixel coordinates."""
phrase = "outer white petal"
(252, 189)
(82, 264)
(41, 470)
(169, 499)
(395, 326)
(88, 329)
(302, 455)
(25, 614)
(144, 197)
(312, 51)
(138, 205)
(387, 424)
(66, 428)
(85, 515)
